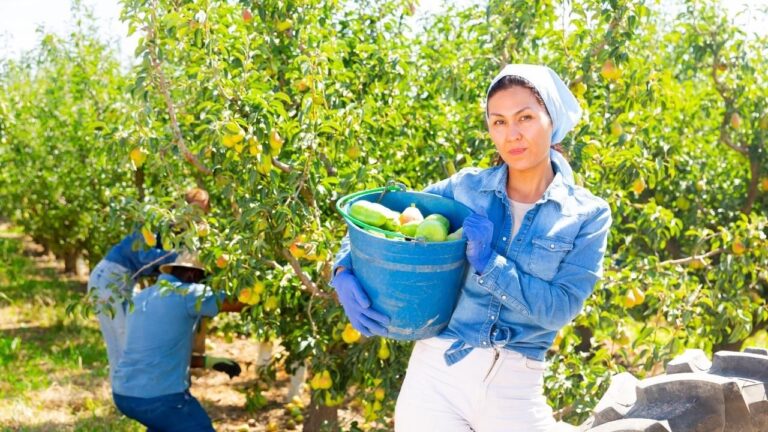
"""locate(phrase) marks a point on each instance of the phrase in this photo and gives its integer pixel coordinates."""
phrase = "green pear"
(393, 222)
(410, 214)
(440, 218)
(456, 235)
(409, 228)
(432, 230)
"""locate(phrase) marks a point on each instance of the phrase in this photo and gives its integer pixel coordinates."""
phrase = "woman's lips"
(516, 151)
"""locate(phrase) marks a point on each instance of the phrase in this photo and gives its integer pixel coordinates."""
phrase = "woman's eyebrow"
(513, 114)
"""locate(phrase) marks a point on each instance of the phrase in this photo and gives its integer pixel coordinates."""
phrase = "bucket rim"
(343, 203)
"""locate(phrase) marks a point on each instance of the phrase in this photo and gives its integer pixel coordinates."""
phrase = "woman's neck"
(529, 186)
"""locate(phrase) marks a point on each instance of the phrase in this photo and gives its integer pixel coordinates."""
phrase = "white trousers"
(480, 393)
(109, 282)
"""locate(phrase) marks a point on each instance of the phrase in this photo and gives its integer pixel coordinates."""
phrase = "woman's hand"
(357, 305)
(478, 230)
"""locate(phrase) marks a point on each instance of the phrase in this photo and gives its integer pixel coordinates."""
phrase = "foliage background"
(278, 108)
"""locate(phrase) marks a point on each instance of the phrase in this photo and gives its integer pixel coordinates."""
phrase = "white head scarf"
(563, 108)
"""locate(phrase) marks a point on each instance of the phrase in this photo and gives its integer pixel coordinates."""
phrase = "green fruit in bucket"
(411, 214)
(432, 231)
(456, 235)
(440, 218)
(393, 222)
(369, 212)
(410, 228)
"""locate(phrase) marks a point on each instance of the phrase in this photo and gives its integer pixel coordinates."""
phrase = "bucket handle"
(391, 186)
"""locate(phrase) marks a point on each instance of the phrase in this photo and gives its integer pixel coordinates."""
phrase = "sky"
(19, 20)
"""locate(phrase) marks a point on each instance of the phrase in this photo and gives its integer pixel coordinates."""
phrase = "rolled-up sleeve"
(343, 257)
(202, 301)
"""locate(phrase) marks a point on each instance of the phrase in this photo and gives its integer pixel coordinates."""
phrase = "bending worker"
(151, 381)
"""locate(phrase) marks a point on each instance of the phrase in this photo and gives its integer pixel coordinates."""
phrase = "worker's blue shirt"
(536, 282)
(134, 254)
(159, 334)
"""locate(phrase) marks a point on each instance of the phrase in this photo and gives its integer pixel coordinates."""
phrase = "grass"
(52, 365)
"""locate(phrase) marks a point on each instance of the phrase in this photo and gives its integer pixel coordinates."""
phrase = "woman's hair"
(508, 82)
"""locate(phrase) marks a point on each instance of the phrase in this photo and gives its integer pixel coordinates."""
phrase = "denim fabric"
(536, 282)
(133, 254)
(158, 340)
(169, 413)
(111, 283)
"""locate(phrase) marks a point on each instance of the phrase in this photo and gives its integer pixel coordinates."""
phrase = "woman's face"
(520, 128)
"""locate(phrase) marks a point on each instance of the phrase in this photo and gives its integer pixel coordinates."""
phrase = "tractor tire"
(727, 394)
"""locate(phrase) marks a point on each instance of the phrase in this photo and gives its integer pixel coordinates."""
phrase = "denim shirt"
(534, 283)
(133, 254)
(159, 334)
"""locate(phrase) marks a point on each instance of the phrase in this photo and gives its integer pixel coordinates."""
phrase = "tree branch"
(692, 258)
(752, 191)
(309, 286)
(272, 263)
(754, 163)
(718, 83)
(149, 265)
(284, 167)
(566, 410)
(598, 49)
(162, 84)
(725, 139)
(329, 168)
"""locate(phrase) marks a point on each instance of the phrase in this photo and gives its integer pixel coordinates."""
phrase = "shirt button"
(480, 281)
(503, 297)
(493, 316)
(551, 246)
(504, 238)
(485, 343)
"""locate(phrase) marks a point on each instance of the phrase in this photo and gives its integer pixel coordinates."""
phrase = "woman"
(535, 244)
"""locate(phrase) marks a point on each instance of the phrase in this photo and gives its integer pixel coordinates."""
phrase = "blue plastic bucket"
(415, 283)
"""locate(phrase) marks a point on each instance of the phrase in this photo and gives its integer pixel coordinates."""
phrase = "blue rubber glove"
(357, 305)
(478, 230)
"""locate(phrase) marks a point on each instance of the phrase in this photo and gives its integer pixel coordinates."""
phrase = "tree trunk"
(138, 181)
(321, 418)
(736, 346)
(70, 263)
(726, 346)
(585, 333)
(198, 343)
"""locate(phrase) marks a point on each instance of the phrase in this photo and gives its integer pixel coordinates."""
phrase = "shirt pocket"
(546, 255)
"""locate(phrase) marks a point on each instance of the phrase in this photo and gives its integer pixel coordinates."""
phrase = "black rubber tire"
(727, 394)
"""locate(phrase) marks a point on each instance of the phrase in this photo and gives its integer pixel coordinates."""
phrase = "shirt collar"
(496, 181)
(557, 190)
